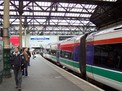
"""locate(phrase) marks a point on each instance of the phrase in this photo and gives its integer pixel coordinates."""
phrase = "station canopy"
(52, 17)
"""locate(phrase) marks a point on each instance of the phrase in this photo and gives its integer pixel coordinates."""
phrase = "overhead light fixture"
(109, 0)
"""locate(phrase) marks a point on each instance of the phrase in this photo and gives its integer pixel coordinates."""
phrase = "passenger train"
(97, 56)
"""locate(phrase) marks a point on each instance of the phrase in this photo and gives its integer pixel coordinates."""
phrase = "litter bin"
(1, 60)
(7, 67)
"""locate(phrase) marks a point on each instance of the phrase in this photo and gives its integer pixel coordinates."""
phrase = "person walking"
(17, 63)
(25, 70)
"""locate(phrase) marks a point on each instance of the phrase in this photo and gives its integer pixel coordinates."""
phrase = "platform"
(44, 76)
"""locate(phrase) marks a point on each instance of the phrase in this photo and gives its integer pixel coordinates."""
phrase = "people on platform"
(17, 62)
(25, 70)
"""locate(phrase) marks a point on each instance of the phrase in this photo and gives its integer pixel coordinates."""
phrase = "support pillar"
(20, 25)
(6, 54)
(20, 31)
(25, 36)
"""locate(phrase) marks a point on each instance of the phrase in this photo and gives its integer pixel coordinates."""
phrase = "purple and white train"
(97, 56)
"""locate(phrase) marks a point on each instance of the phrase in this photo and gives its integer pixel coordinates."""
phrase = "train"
(96, 55)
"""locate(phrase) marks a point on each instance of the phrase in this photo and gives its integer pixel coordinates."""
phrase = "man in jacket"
(29, 55)
(17, 63)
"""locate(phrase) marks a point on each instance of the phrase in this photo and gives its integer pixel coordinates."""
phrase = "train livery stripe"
(53, 57)
(71, 44)
(106, 41)
(114, 75)
(69, 47)
(69, 62)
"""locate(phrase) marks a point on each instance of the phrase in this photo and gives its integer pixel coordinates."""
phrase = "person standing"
(33, 53)
(25, 71)
(29, 55)
(17, 63)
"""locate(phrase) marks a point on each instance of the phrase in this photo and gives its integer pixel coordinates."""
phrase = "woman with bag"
(25, 71)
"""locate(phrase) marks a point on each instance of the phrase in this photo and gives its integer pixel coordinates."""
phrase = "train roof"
(110, 33)
(108, 30)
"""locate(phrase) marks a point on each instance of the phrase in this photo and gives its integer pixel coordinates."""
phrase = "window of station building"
(65, 54)
(108, 56)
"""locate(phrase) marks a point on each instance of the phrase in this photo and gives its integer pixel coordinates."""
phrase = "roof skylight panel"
(72, 14)
(110, 0)
(12, 20)
(36, 23)
(85, 5)
(90, 10)
(78, 6)
(1, 7)
(64, 4)
(16, 2)
(25, 2)
(57, 14)
(77, 24)
(45, 13)
(1, 1)
(75, 21)
(36, 13)
(12, 7)
(85, 22)
(91, 24)
(16, 22)
(36, 8)
(61, 9)
(64, 23)
(62, 14)
(93, 6)
(48, 3)
(84, 10)
(75, 10)
(12, 13)
(41, 3)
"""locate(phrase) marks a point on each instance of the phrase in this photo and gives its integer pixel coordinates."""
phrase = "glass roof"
(52, 17)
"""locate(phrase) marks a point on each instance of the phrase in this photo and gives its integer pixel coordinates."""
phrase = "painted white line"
(49, 63)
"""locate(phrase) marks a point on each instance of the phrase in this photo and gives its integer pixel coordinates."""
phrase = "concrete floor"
(43, 77)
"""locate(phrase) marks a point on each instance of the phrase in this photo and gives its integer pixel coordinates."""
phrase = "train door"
(89, 57)
(58, 52)
(89, 60)
(76, 55)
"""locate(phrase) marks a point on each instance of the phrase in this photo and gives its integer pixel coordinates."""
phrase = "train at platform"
(97, 56)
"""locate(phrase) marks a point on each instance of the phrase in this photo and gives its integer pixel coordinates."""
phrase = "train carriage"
(72, 54)
(104, 57)
(97, 56)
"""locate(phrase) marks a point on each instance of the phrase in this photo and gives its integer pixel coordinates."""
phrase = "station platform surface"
(45, 76)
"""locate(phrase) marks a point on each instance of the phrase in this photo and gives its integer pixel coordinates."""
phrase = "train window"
(65, 54)
(53, 52)
(47, 50)
(109, 56)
